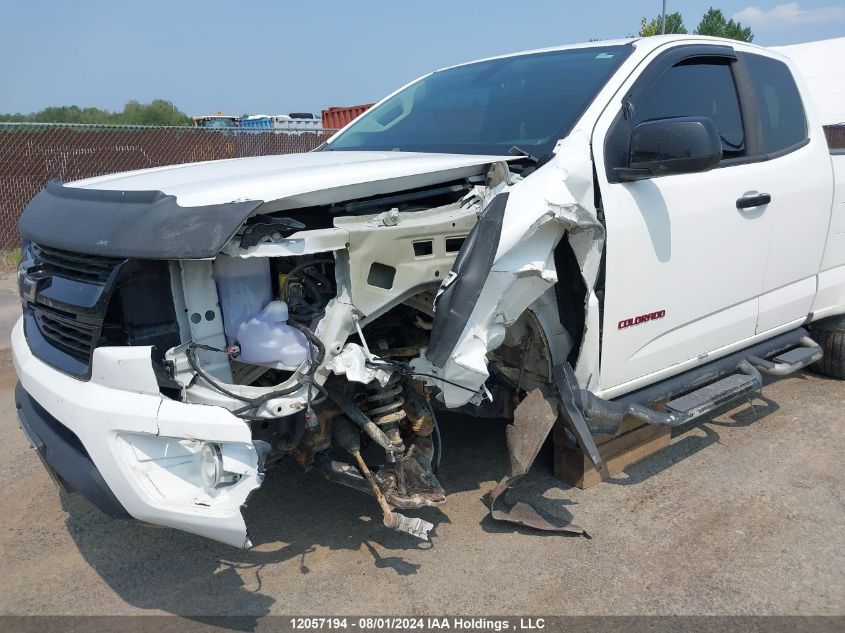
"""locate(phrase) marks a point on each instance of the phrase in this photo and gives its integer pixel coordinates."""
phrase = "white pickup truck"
(628, 228)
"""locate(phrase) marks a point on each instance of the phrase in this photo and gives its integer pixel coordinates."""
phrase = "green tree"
(157, 112)
(674, 24)
(714, 23)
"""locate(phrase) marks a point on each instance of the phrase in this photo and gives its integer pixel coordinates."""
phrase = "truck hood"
(191, 211)
(271, 178)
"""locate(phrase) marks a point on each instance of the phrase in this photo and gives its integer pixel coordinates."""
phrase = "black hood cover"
(130, 224)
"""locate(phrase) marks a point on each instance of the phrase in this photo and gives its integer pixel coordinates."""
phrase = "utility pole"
(663, 20)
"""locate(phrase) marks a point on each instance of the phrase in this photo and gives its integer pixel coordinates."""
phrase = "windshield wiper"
(518, 151)
(536, 163)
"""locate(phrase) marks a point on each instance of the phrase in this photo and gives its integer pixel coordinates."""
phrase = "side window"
(782, 120)
(697, 88)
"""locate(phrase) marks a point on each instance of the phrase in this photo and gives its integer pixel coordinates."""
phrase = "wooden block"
(634, 442)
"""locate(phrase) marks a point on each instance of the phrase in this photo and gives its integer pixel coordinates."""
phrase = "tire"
(832, 341)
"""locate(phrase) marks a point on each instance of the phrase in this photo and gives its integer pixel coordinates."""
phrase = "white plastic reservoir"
(244, 288)
(267, 339)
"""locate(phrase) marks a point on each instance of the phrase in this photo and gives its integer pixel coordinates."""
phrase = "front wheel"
(830, 335)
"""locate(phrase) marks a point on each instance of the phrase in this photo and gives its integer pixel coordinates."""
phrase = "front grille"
(77, 266)
(64, 332)
(74, 302)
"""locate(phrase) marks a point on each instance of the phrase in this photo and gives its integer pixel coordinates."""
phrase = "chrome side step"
(807, 353)
(705, 388)
(714, 395)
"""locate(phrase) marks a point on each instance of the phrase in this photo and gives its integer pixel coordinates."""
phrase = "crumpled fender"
(554, 201)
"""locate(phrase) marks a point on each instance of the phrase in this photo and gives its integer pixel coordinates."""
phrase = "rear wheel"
(831, 336)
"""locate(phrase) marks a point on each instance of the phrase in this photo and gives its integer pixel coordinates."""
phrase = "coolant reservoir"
(267, 339)
(244, 288)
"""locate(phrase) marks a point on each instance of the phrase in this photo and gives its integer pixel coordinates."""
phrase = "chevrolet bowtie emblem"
(31, 284)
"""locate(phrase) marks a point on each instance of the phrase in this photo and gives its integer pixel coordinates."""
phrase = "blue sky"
(275, 57)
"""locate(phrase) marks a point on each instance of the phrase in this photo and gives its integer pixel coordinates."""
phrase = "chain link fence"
(32, 154)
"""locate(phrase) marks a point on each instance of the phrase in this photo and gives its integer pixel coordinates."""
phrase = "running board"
(807, 353)
(713, 396)
(703, 400)
(708, 387)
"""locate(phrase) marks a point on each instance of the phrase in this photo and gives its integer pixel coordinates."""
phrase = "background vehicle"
(584, 231)
(218, 120)
(294, 122)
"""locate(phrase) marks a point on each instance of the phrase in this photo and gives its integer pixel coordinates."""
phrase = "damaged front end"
(325, 326)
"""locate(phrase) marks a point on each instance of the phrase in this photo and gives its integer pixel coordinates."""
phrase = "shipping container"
(335, 118)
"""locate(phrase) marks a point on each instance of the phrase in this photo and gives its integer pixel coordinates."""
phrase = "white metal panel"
(801, 189)
(786, 304)
(275, 177)
(679, 244)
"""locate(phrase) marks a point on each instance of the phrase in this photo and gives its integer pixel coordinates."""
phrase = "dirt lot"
(742, 515)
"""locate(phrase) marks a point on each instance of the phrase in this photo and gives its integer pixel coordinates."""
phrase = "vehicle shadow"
(686, 443)
(295, 513)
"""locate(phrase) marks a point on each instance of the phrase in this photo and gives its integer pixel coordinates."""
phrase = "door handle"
(757, 200)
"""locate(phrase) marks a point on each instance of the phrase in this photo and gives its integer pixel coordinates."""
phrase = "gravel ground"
(742, 515)
(10, 306)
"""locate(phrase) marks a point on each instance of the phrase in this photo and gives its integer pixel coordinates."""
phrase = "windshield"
(530, 101)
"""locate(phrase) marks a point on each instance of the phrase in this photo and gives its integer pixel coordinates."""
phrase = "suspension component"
(385, 405)
(348, 438)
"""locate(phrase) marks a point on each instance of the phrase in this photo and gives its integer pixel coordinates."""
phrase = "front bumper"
(129, 450)
(64, 456)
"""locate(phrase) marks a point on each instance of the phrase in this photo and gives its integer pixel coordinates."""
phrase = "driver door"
(684, 266)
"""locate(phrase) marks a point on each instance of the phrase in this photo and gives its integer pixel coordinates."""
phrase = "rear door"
(684, 266)
(796, 175)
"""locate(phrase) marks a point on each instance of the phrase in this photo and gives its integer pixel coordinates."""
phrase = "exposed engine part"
(266, 338)
(307, 288)
(349, 439)
(316, 353)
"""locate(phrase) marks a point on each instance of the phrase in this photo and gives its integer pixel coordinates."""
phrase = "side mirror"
(681, 145)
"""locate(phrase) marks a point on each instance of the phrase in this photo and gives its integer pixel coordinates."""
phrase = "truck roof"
(643, 43)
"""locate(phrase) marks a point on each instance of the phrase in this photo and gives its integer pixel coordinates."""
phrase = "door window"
(783, 123)
(697, 88)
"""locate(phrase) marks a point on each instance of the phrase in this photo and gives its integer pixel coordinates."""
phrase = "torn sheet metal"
(561, 193)
(533, 421)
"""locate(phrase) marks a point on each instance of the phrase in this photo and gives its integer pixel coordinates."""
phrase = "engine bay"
(305, 326)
